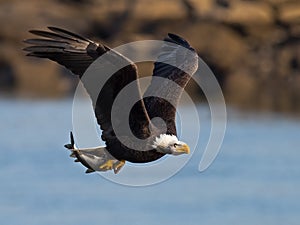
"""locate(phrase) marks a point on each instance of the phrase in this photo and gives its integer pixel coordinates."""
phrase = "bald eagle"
(77, 53)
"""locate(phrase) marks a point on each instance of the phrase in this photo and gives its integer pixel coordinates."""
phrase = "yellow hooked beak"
(183, 149)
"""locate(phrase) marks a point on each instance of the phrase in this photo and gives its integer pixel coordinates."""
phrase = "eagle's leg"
(108, 165)
(118, 165)
(112, 164)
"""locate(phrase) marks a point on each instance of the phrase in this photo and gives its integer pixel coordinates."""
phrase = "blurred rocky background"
(252, 46)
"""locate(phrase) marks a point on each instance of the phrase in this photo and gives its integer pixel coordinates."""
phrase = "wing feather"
(177, 62)
(77, 53)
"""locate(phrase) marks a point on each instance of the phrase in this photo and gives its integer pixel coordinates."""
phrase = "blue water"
(254, 180)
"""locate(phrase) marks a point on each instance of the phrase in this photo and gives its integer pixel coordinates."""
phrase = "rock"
(252, 46)
(246, 13)
(290, 13)
(157, 10)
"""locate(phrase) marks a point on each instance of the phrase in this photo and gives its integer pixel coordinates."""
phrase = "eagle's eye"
(175, 145)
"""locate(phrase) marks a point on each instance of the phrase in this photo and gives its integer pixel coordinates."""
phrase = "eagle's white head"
(169, 144)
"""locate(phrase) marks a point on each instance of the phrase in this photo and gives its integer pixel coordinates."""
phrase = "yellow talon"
(118, 165)
(108, 165)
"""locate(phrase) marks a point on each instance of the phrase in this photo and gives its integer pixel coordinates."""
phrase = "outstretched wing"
(77, 53)
(175, 65)
(74, 52)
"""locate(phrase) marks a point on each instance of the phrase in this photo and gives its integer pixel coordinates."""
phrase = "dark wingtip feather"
(53, 35)
(39, 41)
(25, 41)
(35, 54)
(43, 49)
(66, 32)
(179, 40)
(26, 49)
(35, 32)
